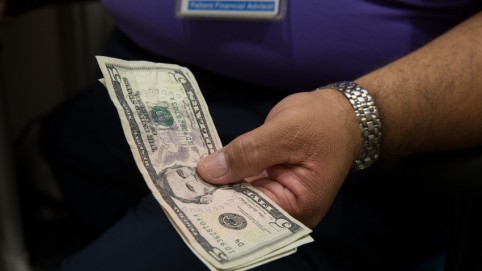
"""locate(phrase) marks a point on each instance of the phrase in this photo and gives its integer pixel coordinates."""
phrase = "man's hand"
(300, 156)
(428, 100)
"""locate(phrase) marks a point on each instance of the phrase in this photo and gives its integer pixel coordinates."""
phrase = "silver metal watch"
(368, 119)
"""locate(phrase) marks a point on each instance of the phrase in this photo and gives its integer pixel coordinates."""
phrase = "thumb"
(246, 156)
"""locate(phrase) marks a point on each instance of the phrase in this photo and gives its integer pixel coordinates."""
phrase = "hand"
(299, 157)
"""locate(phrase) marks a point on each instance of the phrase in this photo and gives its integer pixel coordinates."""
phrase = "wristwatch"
(369, 121)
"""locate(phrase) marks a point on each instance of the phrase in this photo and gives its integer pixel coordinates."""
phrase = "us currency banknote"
(169, 129)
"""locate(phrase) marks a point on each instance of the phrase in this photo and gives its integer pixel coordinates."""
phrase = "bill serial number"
(226, 247)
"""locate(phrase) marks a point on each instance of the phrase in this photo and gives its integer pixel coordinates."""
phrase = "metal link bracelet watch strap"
(368, 119)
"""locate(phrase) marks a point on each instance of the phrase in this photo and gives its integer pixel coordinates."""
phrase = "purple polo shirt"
(317, 42)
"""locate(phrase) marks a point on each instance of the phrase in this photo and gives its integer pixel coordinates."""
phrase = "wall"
(46, 57)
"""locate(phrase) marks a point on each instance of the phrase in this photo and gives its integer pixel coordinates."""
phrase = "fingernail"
(216, 165)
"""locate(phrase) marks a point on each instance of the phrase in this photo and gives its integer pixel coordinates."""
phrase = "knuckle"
(246, 154)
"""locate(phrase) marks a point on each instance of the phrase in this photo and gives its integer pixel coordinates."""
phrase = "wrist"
(368, 120)
(344, 126)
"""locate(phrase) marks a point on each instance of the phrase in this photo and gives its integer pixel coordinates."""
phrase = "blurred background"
(46, 56)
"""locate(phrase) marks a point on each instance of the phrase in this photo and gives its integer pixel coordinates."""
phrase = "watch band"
(369, 121)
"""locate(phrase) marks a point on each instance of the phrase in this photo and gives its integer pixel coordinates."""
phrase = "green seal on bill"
(162, 116)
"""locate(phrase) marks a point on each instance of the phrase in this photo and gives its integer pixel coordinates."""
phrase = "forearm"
(432, 98)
